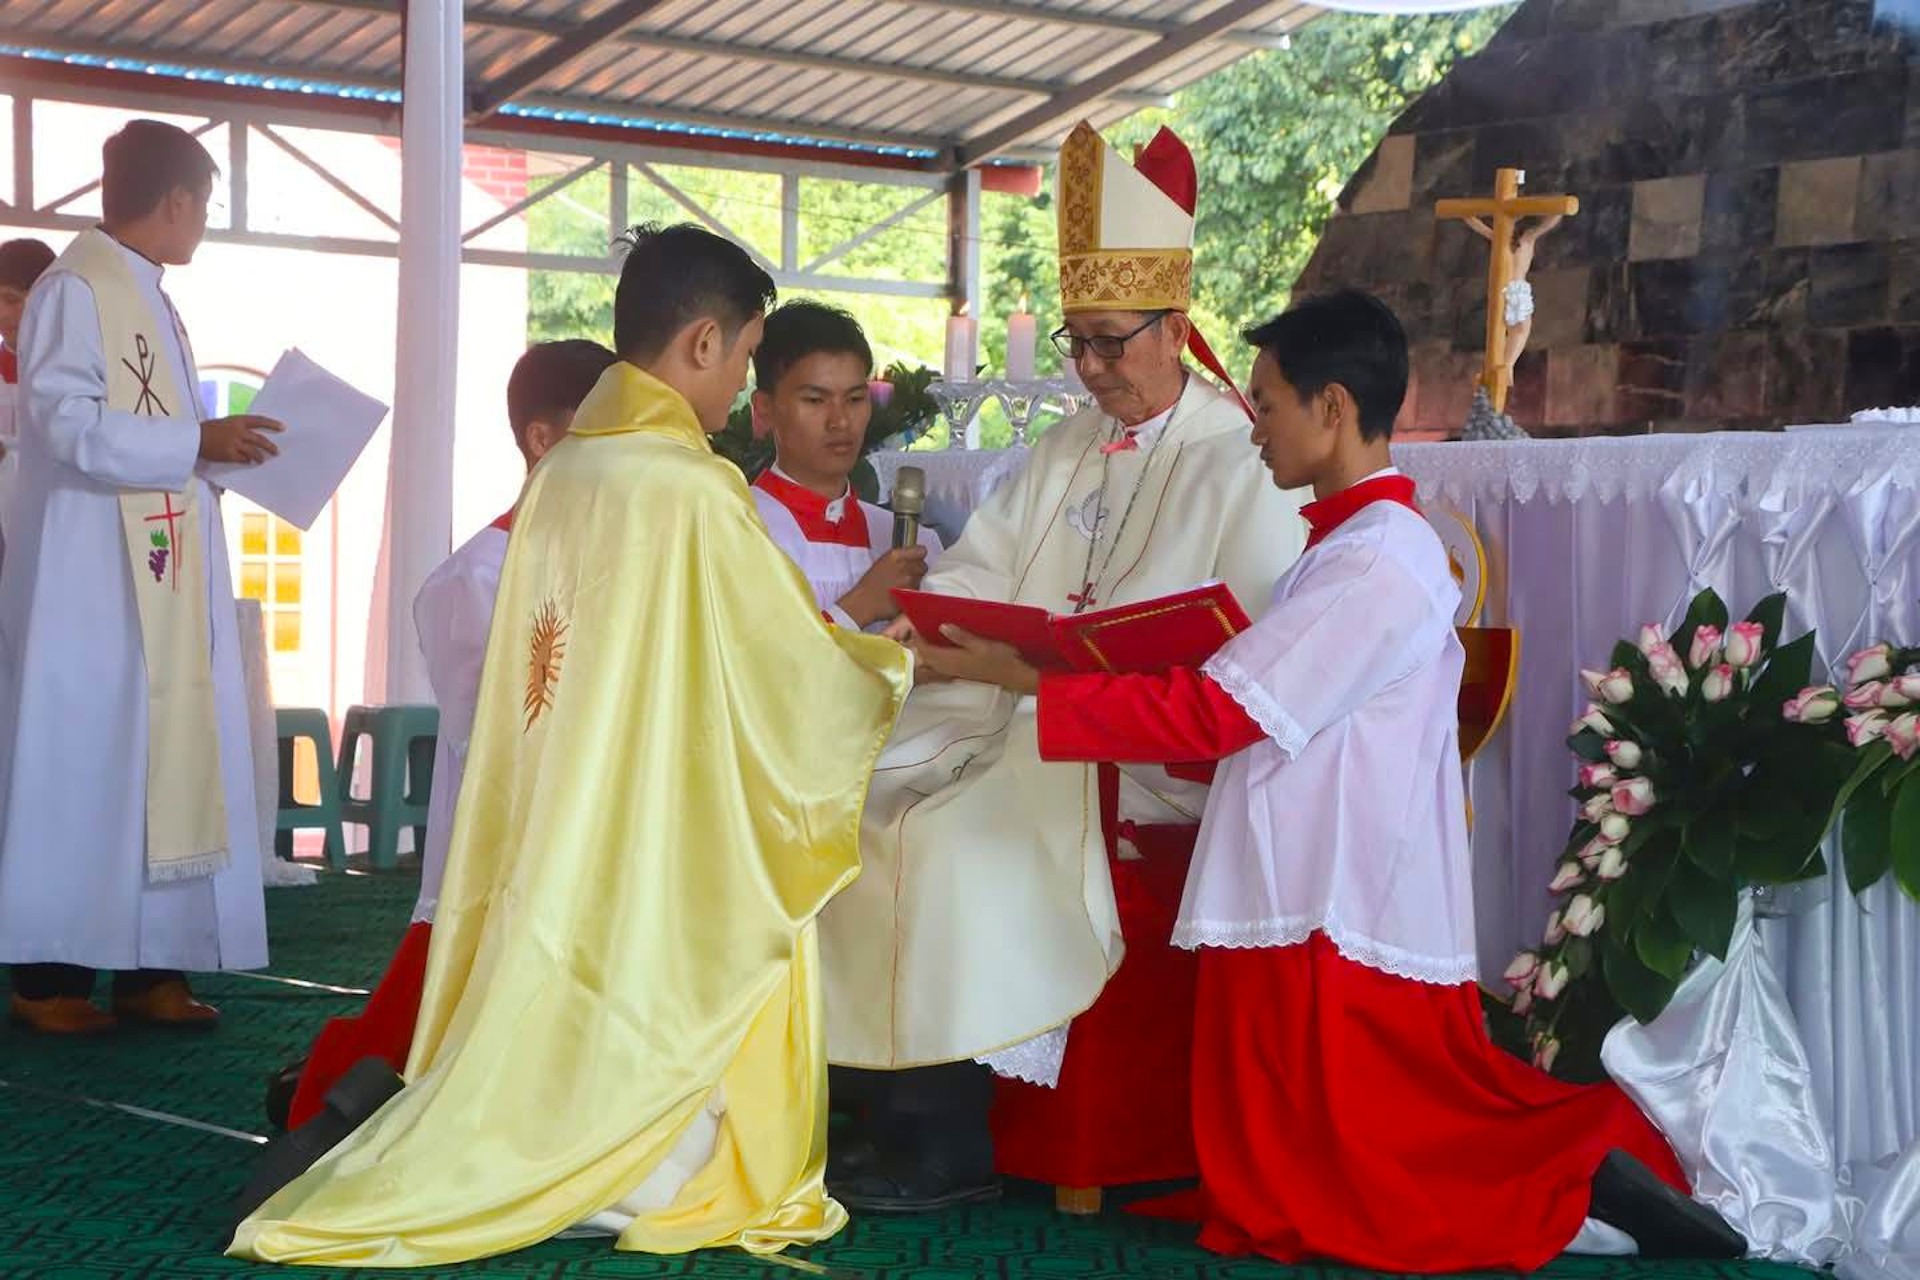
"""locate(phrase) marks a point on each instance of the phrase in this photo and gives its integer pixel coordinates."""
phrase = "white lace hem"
(1445, 971)
(1258, 703)
(1037, 1061)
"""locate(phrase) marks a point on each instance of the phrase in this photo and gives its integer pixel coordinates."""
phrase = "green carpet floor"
(99, 1177)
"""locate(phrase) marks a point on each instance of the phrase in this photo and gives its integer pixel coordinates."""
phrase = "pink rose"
(1614, 827)
(1719, 682)
(1908, 687)
(1613, 865)
(1625, 754)
(1652, 636)
(1520, 972)
(1556, 932)
(1744, 643)
(1870, 664)
(1903, 735)
(1590, 852)
(1862, 729)
(1597, 807)
(1706, 643)
(1595, 719)
(1584, 915)
(1894, 693)
(1633, 797)
(1552, 980)
(1616, 686)
(1545, 1052)
(1567, 877)
(1815, 704)
(1597, 775)
(1522, 1001)
(1668, 671)
(1863, 697)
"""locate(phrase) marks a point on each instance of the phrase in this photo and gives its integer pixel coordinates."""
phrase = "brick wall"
(1748, 248)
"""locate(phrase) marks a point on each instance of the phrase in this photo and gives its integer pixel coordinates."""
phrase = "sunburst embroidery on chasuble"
(545, 653)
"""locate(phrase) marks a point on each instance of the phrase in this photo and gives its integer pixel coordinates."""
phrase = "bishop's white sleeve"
(453, 614)
(1353, 623)
(63, 398)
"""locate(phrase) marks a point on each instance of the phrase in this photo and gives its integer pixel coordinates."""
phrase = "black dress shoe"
(352, 1101)
(1664, 1223)
(281, 1086)
(897, 1186)
(850, 1157)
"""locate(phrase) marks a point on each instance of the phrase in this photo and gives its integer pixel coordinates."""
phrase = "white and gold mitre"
(1126, 230)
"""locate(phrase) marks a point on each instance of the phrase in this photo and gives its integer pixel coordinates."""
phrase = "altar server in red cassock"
(1348, 1104)
(813, 393)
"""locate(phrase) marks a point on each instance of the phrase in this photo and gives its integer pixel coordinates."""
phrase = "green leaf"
(1589, 746)
(1906, 839)
(1640, 990)
(1787, 673)
(1582, 832)
(1650, 865)
(1704, 906)
(1662, 945)
(1893, 779)
(1710, 840)
(1868, 761)
(1866, 838)
(1625, 654)
(1578, 956)
(1771, 614)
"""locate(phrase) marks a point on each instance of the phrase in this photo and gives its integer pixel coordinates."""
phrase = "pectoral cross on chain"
(1083, 598)
(149, 402)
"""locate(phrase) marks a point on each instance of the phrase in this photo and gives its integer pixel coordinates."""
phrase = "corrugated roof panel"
(834, 76)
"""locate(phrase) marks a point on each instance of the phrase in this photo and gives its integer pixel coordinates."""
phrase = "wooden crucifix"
(1496, 219)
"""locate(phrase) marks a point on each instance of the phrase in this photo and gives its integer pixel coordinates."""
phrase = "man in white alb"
(127, 830)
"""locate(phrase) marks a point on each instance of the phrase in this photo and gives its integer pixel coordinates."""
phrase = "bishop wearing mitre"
(985, 920)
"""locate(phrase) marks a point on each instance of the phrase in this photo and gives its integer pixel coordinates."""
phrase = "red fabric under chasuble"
(1121, 1112)
(384, 1029)
(1343, 1113)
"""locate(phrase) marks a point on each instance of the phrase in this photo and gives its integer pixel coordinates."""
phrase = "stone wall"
(1748, 248)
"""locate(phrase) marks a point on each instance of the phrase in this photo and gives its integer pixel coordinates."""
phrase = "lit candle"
(1021, 333)
(960, 348)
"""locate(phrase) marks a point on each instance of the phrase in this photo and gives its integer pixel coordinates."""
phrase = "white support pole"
(963, 257)
(420, 474)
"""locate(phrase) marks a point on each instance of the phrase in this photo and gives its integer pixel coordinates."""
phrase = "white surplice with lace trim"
(1350, 817)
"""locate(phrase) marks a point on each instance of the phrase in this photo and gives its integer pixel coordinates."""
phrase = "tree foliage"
(1276, 137)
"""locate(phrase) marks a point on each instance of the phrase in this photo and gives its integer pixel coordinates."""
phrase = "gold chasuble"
(664, 787)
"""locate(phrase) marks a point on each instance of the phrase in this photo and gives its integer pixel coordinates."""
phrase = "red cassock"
(1122, 1110)
(1341, 1112)
(384, 1029)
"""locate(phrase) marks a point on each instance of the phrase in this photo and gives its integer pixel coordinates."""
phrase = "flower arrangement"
(901, 407)
(1707, 765)
(1880, 801)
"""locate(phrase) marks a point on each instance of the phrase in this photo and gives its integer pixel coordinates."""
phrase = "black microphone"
(909, 500)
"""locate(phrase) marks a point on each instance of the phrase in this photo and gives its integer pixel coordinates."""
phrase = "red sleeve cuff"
(1179, 716)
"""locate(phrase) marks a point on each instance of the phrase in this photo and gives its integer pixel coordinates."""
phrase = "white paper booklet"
(328, 424)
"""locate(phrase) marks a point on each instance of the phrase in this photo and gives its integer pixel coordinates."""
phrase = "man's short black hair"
(676, 275)
(553, 378)
(803, 328)
(22, 262)
(146, 162)
(1350, 339)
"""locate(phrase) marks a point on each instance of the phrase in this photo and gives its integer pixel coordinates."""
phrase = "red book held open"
(1180, 630)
